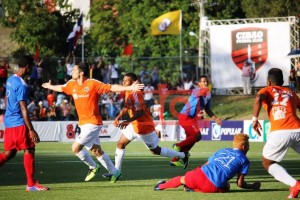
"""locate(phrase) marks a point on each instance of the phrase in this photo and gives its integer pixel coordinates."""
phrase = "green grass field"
(59, 169)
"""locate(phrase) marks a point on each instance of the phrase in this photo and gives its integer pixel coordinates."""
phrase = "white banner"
(66, 131)
(266, 45)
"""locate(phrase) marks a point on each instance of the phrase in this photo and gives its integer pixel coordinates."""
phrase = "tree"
(35, 25)
(275, 8)
(117, 23)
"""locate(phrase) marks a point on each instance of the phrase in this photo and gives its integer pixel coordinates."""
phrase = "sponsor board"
(253, 137)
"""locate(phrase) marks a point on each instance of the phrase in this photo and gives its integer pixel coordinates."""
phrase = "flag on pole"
(167, 24)
(128, 50)
(75, 34)
(37, 53)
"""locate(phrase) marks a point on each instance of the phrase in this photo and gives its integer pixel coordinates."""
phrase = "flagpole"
(180, 46)
(82, 48)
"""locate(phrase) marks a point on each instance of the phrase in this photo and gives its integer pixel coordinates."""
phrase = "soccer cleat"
(115, 177)
(187, 189)
(107, 176)
(156, 187)
(294, 191)
(92, 173)
(185, 160)
(176, 148)
(36, 187)
(176, 163)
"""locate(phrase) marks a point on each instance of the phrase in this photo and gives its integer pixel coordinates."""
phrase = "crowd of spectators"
(47, 105)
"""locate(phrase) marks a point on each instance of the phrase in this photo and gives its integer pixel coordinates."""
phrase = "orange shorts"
(17, 138)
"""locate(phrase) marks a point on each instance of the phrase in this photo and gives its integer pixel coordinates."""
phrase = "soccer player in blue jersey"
(213, 176)
(19, 132)
(188, 118)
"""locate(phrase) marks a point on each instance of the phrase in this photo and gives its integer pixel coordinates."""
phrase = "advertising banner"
(64, 131)
(259, 43)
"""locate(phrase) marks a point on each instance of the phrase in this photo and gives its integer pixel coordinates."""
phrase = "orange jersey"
(281, 105)
(134, 101)
(86, 98)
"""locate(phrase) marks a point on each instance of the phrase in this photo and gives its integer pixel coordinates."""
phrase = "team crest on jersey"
(86, 89)
(249, 44)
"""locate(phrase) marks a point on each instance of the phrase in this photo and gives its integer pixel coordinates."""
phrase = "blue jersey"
(196, 103)
(224, 165)
(16, 91)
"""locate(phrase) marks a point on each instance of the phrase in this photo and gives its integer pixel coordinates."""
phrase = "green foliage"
(35, 26)
(274, 8)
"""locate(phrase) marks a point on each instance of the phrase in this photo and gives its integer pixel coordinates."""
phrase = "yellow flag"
(167, 24)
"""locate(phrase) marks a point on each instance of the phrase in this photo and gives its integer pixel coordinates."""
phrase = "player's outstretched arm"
(57, 88)
(136, 86)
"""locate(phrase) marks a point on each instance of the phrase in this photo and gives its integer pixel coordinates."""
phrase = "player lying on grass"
(213, 176)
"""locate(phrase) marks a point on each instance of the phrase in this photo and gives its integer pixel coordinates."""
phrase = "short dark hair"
(132, 75)
(25, 61)
(82, 67)
(275, 76)
(203, 76)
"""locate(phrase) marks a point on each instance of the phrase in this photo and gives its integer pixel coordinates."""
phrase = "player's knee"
(198, 137)
(156, 151)
(10, 154)
(121, 145)
(267, 163)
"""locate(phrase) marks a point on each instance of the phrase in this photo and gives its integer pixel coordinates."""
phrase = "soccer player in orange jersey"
(281, 104)
(140, 125)
(86, 93)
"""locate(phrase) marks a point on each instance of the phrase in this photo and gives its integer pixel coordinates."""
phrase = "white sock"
(171, 153)
(86, 158)
(107, 163)
(280, 174)
(119, 156)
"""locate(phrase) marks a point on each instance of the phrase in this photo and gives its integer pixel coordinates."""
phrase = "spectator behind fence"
(148, 95)
(66, 110)
(155, 76)
(42, 112)
(51, 97)
(61, 71)
(114, 72)
(70, 63)
(4, 71)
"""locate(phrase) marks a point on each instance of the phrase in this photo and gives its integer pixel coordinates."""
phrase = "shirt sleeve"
(102, 88)
(67, 88)
(22, 93)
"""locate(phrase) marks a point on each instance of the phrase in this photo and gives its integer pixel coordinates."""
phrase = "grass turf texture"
(59, 169)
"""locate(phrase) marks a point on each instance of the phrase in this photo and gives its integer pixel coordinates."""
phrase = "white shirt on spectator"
(148, 90)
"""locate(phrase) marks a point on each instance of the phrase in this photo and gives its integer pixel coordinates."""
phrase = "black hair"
(82, 67)
(132, 75)
(275, 76)
(203, 76)
(25, 61)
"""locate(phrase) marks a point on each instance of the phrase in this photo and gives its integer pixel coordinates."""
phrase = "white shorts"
(150, 139)
(89, 135)
(278, 143)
